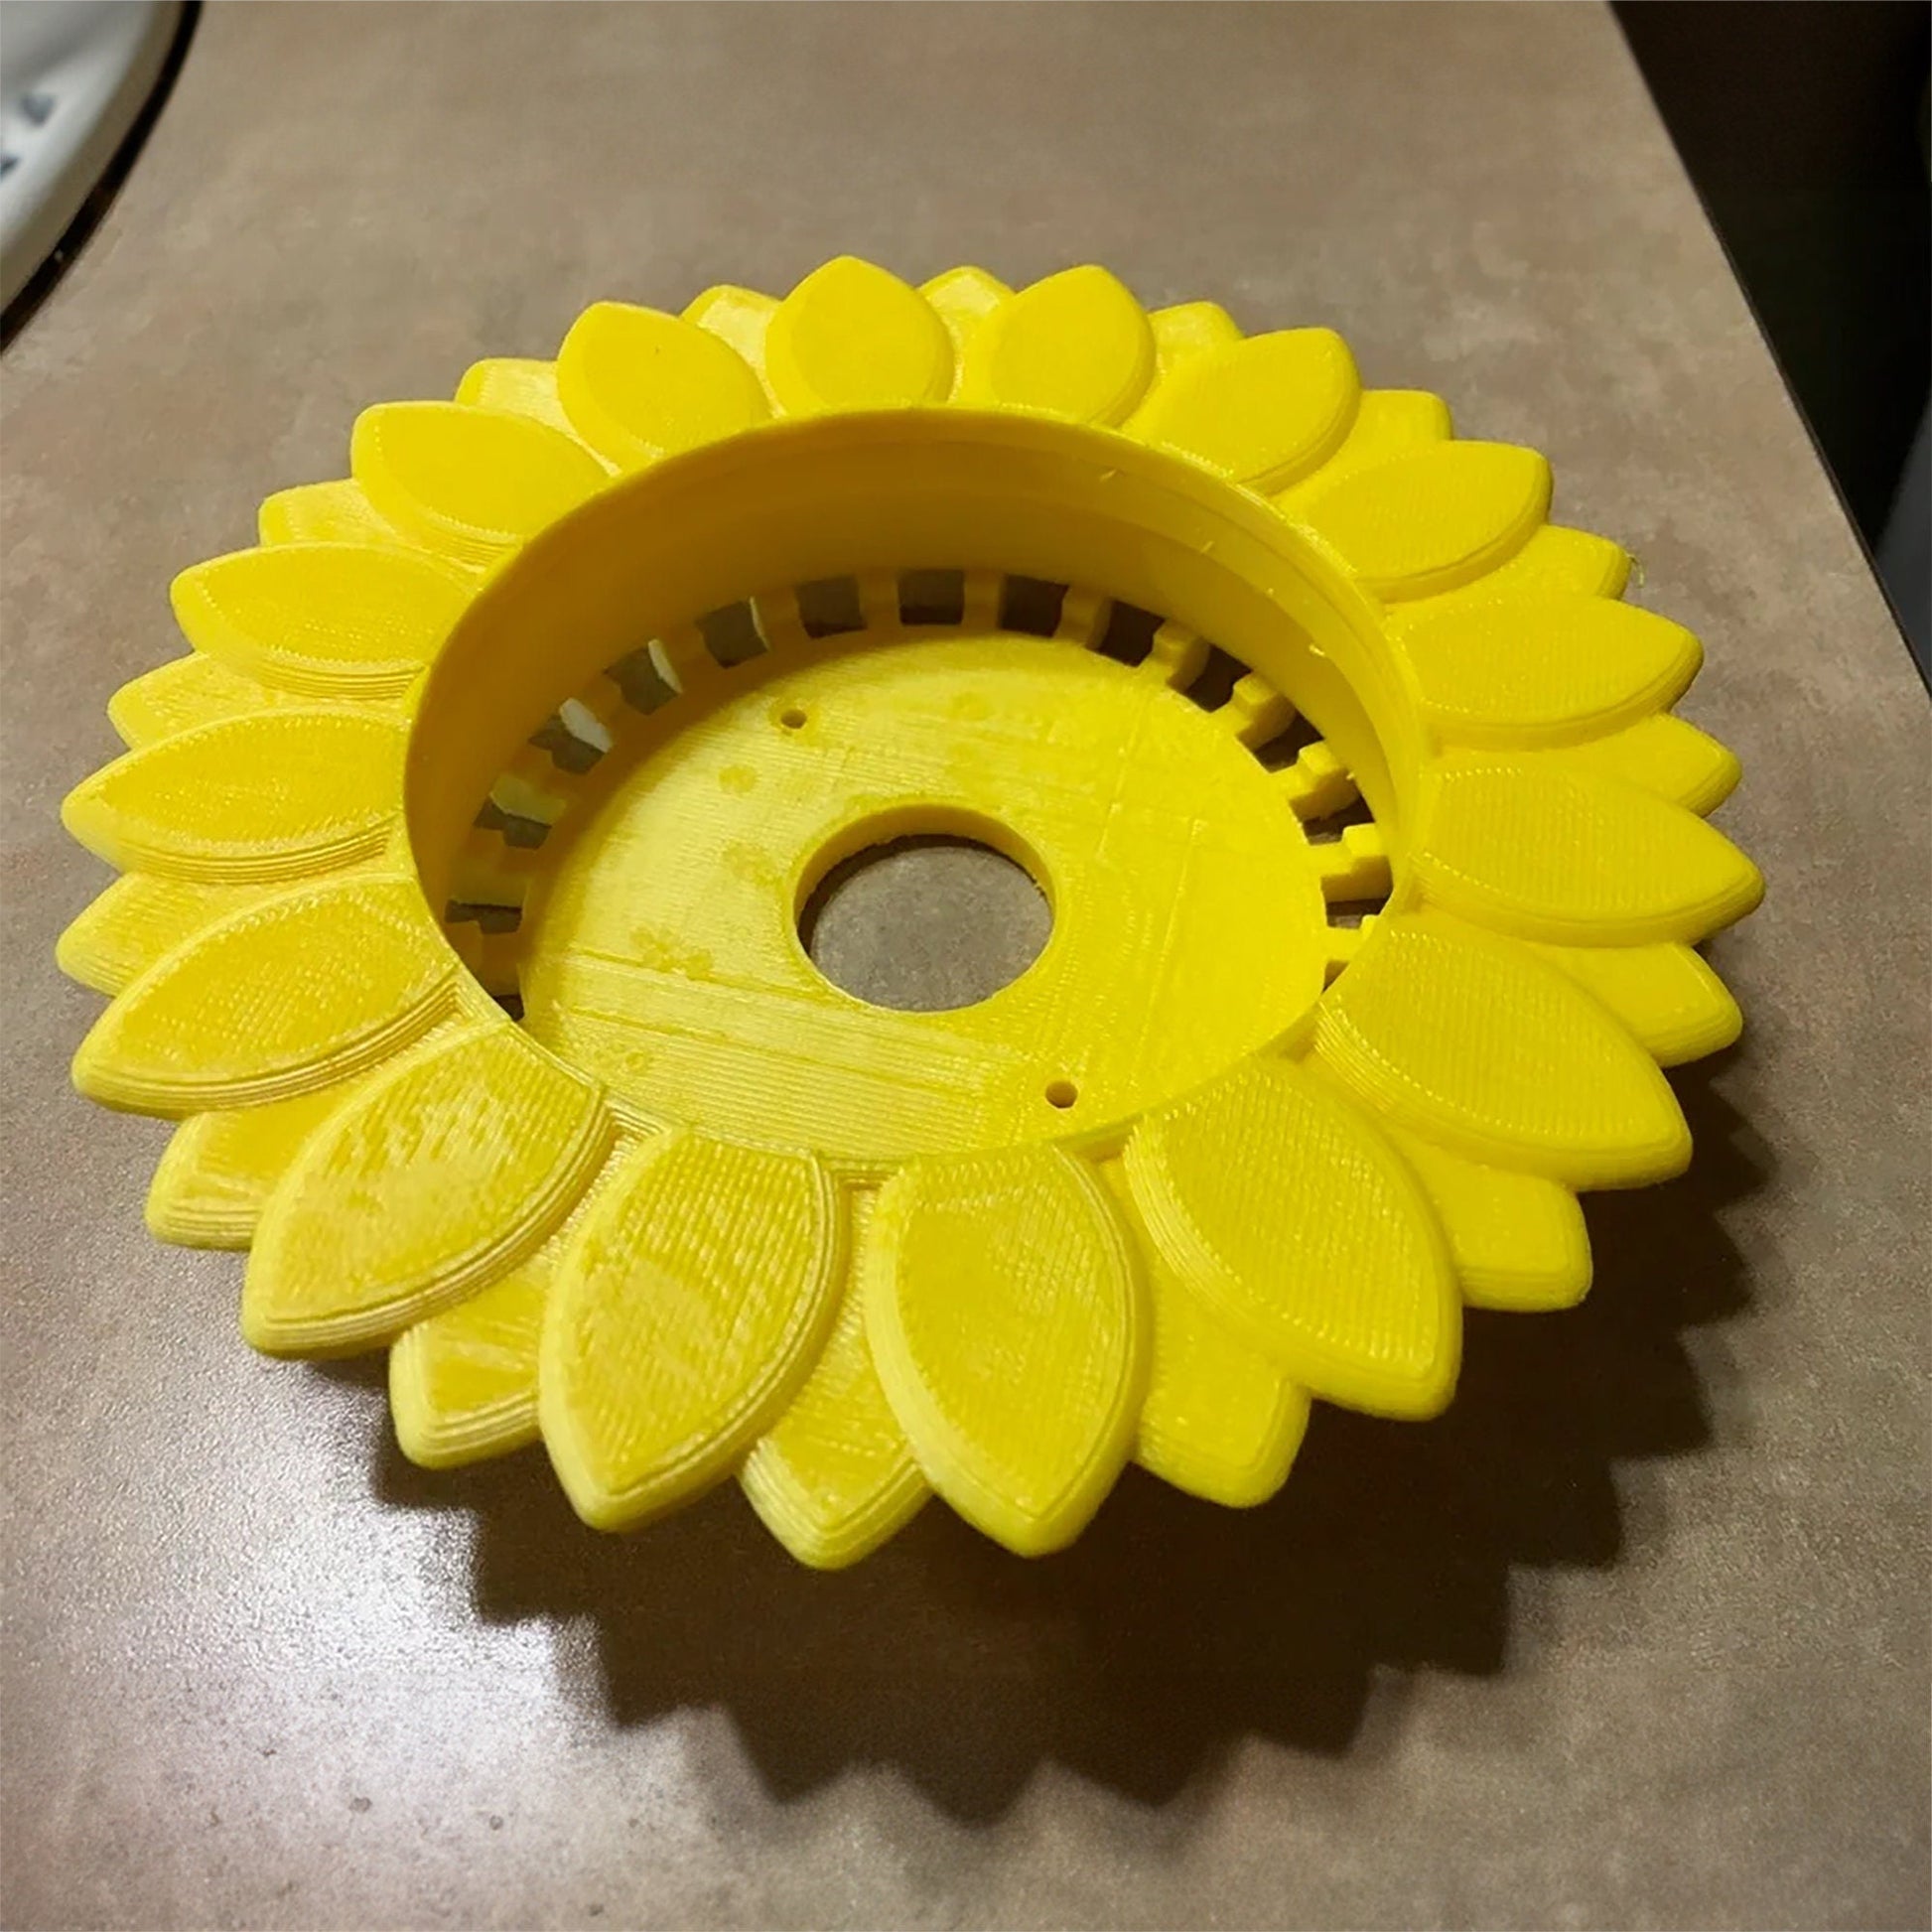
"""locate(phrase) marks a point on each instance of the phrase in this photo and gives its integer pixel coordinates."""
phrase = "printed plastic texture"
(464, 858)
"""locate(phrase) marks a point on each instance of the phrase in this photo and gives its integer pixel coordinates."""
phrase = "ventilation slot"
(645, 679)
(516, 830)
(1287, 746)
(1129, 634)
(1217, 679)
(573, 737)
(933, 597)
(1030, 606)
(830, 607)
(731, 634)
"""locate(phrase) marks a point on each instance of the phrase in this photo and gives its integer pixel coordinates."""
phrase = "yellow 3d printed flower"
(465, 856)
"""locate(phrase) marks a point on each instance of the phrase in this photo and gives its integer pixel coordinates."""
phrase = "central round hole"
(926, 923)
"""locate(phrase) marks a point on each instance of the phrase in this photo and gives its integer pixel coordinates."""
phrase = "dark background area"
(1802, 125)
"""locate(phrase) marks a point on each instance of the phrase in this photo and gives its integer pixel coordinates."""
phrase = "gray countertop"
(1636, 1635)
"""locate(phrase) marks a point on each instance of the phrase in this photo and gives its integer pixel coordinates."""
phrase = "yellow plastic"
(466, 852)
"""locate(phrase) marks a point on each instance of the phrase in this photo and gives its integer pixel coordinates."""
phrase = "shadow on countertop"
(1173, 1630)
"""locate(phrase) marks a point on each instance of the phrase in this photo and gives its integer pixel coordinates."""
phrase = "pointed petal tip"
(326, 618)
(76, 955)
(1274, 1198)
(829, 1539)
(176, 1214)
(89, 817)
(686, 1312)
(1227, 1487)
(1005, 1317)
(415, 1428)
(1076, 344)
(1434, 518)
(97, 1075)
(1702, 1027)
(1542, 668)
(638, 384)
(1562, 1288)
(497, 1145)
(854, 336)
(74, 806)
(360, 970)
(265, 795)
(835, 1476)
(1723, 773)
(597, 1506)
(967, 285)
(1516, 1240)
(433, 1441)
(463, 1383)
(1466, 1037)
(1661, 753)
(267, 1332)
(1226, 1430)
(1748, 894)
(1547, 849)
(1263, 411)
(467, 482)
(270, 1329)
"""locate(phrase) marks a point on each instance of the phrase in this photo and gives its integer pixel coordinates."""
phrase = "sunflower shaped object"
(465, 854)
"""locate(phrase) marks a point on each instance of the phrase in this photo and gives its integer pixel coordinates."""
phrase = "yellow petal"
(1387, 423)
(324, 513)
(1077, 344)
(139, 918)
(1435, 518)
(1010, 1331)
(291, 993)
(1553, 561)
(1555, 852)
(836, 1477)
(326, 620)
(249, 798)
(1516, 1240)
(1544, 669)
(1277, 1203)
(462, 1384)
(1220, 1419)
(437, 1178)
(852, 336)
(639, 384)
(1473, 1042)
(684, 1315)
(518, 385)
(183, 693)
(1666, 755)
(739, 318)
(1677, 1007)
(1262, 412)
(468, 483)
(1188, 331)
(963, 298)
(217, 1172)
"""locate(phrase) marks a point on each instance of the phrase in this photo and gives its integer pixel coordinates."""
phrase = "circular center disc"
(1189, 927)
